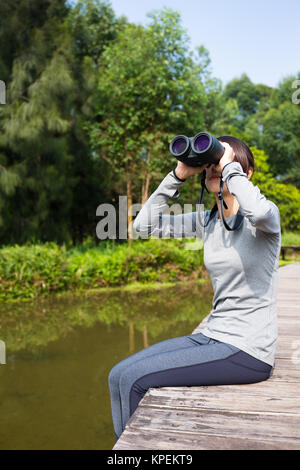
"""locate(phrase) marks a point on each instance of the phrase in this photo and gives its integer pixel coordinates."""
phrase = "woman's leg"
(214, 363)
(172, 344)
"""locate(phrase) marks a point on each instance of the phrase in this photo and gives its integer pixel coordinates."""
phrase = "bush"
(285, 196)
(33, 270)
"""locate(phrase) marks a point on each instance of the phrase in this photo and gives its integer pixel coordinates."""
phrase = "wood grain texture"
(195, 441)
(264, 415)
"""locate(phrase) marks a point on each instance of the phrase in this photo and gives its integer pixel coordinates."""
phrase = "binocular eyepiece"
(198, 150)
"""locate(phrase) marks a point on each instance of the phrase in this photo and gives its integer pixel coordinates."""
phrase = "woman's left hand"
(227, 157)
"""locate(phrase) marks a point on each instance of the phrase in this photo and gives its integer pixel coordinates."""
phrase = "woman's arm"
(152, 222)
(262, 213)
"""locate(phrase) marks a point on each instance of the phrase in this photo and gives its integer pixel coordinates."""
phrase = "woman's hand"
(183, 171)
(228, 157)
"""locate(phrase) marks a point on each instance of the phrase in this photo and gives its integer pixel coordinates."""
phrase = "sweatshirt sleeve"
(262, 213)
(152, 221)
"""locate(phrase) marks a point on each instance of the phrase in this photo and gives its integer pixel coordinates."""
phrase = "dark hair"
(243, 154)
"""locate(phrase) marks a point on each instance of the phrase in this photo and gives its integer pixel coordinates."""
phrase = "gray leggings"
(185, 361)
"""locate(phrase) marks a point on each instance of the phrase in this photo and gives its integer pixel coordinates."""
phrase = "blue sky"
(258, 37)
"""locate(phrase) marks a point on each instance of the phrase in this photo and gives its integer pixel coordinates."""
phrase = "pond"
(59, 351)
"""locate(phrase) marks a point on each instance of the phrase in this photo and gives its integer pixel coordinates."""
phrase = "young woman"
(237, 344)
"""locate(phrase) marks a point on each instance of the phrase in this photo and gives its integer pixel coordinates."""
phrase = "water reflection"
(54, 391)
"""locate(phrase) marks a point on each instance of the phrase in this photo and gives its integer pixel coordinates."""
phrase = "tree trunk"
(129, 204)
(146, 180)
(145, 186)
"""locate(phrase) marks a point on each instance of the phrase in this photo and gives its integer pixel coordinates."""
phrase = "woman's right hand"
(183, 171)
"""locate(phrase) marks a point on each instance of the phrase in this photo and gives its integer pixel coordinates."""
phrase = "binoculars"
(198, 150)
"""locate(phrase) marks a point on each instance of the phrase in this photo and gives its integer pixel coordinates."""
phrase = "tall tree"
(281, 132)
(286, 196)
(148, 90)
(38, 80)
(246, 94)
(50, 177)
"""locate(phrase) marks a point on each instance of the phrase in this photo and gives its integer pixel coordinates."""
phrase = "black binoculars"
(198, 150)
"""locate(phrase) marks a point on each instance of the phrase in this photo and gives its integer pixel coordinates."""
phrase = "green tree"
(285, 196)
(281, 136)
(220, 111)
(30, 123)
(149, 90)
(51, 183)
(19, 20)
(246, 94)
(252, 101)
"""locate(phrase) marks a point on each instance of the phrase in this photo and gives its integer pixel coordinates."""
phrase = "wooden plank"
(285, 329)
(286, 283)
(282, 294)
(284, 310)
(256, 426)
(286, 364)
(287, 294)
(287, 319)
(143, 439)
(238, 401)
(260, 389)
(286, 342)
(294, 247)
(286, 375)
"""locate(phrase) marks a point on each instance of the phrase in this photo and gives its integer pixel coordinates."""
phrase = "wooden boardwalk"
(265, 415)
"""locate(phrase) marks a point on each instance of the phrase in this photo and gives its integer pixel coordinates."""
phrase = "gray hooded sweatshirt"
(242, 264)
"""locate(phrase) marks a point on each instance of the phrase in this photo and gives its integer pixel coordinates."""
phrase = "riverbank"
(37, 270)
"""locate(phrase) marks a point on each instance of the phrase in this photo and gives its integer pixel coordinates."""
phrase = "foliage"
(285, 196)
(281, 137)
(290, 238)
(49, 180)
(148, 88)
(92, 103)
(36, 270)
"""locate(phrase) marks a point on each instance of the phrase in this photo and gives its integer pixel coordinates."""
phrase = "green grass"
(290, 238)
